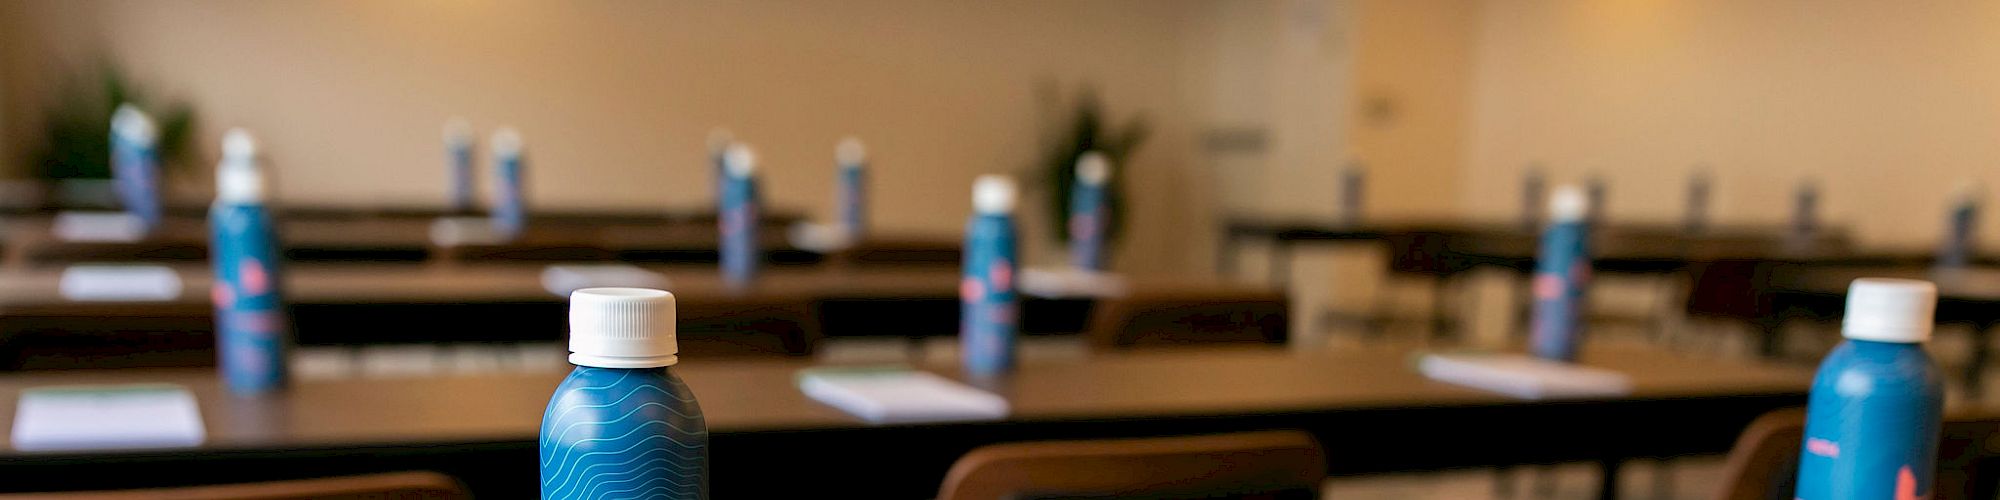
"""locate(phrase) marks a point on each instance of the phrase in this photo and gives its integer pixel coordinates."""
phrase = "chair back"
(1271, 464)
(1189, 316)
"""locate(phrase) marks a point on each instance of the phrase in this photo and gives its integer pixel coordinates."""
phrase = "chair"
(1764, 463)
(387, 486)
(1271, 464)
(1189, 316)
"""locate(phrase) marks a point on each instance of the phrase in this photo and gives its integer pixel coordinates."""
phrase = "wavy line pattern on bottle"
(612, 433)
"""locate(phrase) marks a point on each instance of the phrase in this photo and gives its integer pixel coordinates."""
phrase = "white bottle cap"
(1093, 168)
(1890, 310)
(850, 153)
(719, 140)
(740, 161)
(993, 194)
(457, 131)
(506, 142)
(1569, 204)
(238, 178)
(134, 125)
(622, 328)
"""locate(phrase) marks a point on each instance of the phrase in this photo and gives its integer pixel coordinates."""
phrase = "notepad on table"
(1071, 283)
(106, 417)
(816, 237)
(899, 395)
(119, 283)
(1524, 376)
(561, 279)
(99, 227)
(461, 231)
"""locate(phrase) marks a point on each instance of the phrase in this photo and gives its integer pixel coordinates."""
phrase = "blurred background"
(1213, 111)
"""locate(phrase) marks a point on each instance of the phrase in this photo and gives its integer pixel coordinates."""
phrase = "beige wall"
(1890, 103)
(615, 98)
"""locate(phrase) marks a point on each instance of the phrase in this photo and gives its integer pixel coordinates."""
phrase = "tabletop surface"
(753, 396)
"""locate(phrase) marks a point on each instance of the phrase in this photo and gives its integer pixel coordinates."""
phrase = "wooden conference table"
(1370, 409)
(1445, 248)
(327, 236)
(351, 304)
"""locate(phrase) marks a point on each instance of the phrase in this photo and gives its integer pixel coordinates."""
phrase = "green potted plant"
(1087, 129)
(76, 157)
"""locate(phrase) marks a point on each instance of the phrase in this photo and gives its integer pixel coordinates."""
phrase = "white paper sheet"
(119, 283)
(888, 396)
(1524, 376)
(1065, 283)
(460, 231)
(107, 417)
(99, 227)
(816, 237)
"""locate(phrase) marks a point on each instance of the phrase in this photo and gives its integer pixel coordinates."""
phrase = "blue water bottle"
(1562, 276)
(852, 158)
(135, 164)
(989, 313)
(1089, 215)
(1873, 419)
(719, 140)
(1959, 242)
(738, 211)
(1697, 202)
(1353, 186)
(622, 425)
(510, 209)
(458, 161)
(252, 327)
(1533, 197)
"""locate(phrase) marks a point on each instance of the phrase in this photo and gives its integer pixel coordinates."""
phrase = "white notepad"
(1524, 376)
(900, 396)
(119, 283)
(1066, 283)
(460, 231)
(816, 237)
(107, 417)
(561, 279)
(99, 227)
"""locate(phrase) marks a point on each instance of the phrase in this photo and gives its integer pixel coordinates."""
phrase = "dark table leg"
(1770, 335)
(1976, 367)
(1440, 316)
(1227, 258)
(1608, 490)
(1281, 262)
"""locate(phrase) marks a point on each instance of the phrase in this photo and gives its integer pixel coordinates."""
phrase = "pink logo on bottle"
(969, 290)
(1823, 447)
(1906, 485)
(1549, 286)
(1002, 275)
(256, 281)
(221, 295)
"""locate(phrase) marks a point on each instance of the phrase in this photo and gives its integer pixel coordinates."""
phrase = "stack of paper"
(1523, 376)
(561, 279)
(1071, 283)
(110, 227)
(461, 231)
(896, 395)
(119, 283)
(106, 417)
(815, 237)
